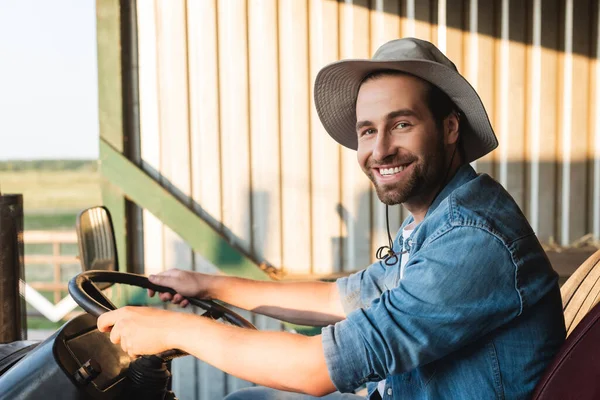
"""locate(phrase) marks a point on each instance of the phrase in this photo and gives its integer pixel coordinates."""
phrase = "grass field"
(50, 220)
(53, 192)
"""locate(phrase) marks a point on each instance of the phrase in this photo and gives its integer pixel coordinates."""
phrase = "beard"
(424, 177)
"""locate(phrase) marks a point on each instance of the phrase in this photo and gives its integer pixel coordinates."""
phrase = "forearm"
(279, 360)
(305, 303)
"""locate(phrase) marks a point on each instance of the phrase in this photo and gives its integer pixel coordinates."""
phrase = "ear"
(451, 128)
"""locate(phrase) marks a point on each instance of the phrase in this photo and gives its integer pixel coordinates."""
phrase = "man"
(464, 306)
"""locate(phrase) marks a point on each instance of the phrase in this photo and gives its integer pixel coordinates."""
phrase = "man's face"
(399, 145)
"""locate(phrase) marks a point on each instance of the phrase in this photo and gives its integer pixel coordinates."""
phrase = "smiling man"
(407, 160)
(465, 304)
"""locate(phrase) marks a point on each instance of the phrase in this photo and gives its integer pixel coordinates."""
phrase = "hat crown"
(411, 49)
(337, 86)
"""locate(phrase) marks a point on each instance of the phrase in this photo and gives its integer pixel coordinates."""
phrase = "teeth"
(391, 171)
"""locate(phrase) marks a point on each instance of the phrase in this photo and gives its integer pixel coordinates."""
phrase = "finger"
(124, 345)
(115, 336)
(151, 293)
(184, 303)
(166, 296)
(167, 278)
(177, 298)
(107, 320)
(168, 272)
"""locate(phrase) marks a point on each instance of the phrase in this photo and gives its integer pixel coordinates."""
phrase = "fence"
(38, 259)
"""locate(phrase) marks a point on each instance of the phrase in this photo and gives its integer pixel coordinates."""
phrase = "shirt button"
(389, 391)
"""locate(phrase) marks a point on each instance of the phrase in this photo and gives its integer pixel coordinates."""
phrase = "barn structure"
(214, 159)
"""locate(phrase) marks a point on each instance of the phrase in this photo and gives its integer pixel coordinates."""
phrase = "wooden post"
(56, 254)
(13, 325)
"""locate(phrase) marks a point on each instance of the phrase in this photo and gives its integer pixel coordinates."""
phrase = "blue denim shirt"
(477, 314)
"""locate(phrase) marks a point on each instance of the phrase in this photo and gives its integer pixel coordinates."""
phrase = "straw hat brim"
(337, 85)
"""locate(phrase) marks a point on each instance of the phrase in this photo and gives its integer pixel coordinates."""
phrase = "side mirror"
(96, 239)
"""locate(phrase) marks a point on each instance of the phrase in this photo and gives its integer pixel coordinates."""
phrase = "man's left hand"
(139, 330)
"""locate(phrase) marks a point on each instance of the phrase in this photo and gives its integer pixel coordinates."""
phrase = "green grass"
(49, 165)
(42, 323)
(48, 220)
(51, 191)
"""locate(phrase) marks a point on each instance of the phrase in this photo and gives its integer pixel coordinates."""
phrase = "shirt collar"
(464, 174)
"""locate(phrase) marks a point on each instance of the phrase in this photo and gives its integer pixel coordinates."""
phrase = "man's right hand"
(185, 283)
(306, 303)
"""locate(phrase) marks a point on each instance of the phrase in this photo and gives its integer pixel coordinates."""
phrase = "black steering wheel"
(87, 295)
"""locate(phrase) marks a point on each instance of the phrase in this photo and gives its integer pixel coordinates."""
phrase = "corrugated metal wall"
(228, 123)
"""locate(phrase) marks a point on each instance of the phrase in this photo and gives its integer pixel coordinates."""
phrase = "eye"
(369, 131)
(402, 125)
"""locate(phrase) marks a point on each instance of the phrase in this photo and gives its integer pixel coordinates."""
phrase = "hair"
(439, 103)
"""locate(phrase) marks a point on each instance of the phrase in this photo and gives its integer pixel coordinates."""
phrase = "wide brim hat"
(337, 85)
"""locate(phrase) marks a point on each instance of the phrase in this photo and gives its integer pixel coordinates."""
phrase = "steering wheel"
(87, 295)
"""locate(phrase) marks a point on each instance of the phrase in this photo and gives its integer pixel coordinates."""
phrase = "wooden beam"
(110, 90)
(49, 237)
(110, 103)
(142, 189)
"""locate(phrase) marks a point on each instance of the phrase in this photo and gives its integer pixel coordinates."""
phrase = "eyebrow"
(404, 112)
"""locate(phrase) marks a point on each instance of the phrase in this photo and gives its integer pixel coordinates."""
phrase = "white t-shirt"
(406, 232)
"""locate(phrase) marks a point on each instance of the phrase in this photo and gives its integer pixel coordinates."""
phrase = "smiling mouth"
(386, 172)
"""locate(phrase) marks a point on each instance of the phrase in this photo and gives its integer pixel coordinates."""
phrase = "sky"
(48, 80)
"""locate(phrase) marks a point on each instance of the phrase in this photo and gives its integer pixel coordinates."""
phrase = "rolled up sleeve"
(349, 290)
(361, 288)
(346, 355)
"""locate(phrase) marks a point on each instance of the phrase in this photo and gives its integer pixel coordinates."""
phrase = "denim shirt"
(477, 314)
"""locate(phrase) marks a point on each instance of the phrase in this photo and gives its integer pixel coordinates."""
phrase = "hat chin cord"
(387, 253)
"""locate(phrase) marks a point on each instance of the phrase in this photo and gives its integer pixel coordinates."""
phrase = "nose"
(383, 146)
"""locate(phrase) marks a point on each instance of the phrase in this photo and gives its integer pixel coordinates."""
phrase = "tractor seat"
(575, 371)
